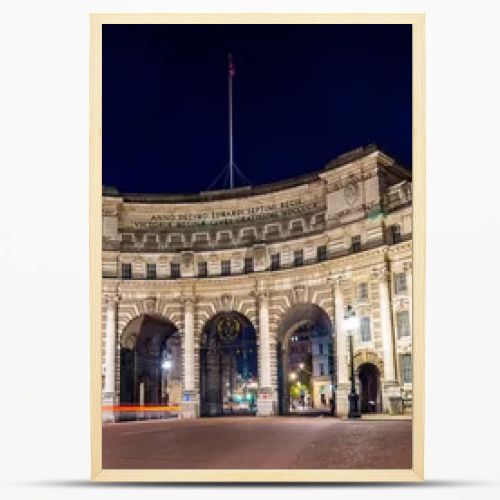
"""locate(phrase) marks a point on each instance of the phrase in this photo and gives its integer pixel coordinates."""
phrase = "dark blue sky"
(303, 94)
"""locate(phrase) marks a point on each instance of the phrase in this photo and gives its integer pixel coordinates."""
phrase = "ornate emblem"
(351, 190)
(228, 328)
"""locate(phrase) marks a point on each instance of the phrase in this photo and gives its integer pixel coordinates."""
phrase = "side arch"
(150, 361)
(312, 324)
(161, 308)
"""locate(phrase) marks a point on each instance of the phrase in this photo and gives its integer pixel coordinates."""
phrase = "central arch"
(150, 363)
(228, 365)
(305, 360)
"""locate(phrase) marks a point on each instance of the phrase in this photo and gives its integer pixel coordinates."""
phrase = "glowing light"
(167, 364)
(293, 376)
(119, 408)
(352, 323)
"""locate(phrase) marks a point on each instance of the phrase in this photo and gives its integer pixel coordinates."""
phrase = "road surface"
(258, 443)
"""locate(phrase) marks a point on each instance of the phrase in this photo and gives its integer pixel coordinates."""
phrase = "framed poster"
(257, 242)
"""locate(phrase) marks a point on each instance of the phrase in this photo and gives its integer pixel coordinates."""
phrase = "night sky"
(303, 94)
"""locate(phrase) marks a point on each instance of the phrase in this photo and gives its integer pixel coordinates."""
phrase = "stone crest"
(351, 190)
(226, 302)
(150, 305)
(299, 294)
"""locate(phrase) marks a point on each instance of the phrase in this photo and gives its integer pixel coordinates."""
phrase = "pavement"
(258, 443)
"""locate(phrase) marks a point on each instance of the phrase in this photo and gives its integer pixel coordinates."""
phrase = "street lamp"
(352, 323)
(167, 364)
(301, 366)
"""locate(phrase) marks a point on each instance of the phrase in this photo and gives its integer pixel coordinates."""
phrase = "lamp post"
(352, 323)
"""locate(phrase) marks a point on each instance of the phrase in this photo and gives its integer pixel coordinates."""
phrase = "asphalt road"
(258, 443)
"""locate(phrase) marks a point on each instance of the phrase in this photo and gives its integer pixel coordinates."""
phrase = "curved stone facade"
(335, 238)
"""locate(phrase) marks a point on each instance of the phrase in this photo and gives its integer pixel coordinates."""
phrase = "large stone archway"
(150, 362)
(228, 365)
(305, 359)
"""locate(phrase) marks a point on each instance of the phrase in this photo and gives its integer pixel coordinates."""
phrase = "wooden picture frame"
(416, 473)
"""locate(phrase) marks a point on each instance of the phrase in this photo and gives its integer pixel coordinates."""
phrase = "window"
(176, 239)
(321, 348)
(296, 226)
(248, 265)
(321, 253)
(366, 334)
(248, 234)
(151, 271)
(175, 270)
(321, 368)
(225, 267)
(400, 284)
(275, 261)
(396, 233)
(202, 270)
(273, 230)
(403, 321)
(356, 244)
(406, 368)
(126, 271)
(224, 237)
(298, 258)
(201, 238)
(319, 219)
(363, 291)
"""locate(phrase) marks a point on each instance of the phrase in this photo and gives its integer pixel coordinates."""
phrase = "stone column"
(109, 357)
(342, 389)
(264, 400)
(390, 388)
(190, 406)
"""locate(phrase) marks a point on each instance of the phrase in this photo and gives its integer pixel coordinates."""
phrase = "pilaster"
(264, 400)
(108, 395)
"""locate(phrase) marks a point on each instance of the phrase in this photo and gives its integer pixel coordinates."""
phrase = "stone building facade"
(279, 256)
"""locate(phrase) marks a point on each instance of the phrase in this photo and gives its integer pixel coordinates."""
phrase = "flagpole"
(230, 98)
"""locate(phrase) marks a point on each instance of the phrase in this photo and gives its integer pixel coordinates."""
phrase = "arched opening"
(370, 394)
(305, 361)
(228, 366)
(150, 364)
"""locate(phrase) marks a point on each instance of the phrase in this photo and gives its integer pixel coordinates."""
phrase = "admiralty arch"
(241, 300)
